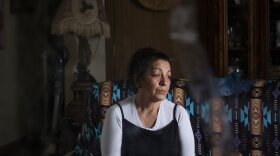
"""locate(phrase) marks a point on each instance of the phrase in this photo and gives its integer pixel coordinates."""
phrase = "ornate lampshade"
(85, 18)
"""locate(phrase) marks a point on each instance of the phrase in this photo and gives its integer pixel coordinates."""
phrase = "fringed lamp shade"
(85, 18)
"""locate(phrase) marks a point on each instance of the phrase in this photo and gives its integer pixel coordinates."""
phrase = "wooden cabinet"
(244, 34)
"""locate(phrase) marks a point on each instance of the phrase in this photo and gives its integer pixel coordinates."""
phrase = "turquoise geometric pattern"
(244, 116)
(266, 117)
(116, 93)
(95, 90)
(189, 106)
(97, 130)
(169, 95)
(205, 112)
(228, 112)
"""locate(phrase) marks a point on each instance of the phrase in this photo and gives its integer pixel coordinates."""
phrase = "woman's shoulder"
(127, 100)
(170, 105)
(180, 110)
(122, 103)
(125, 105)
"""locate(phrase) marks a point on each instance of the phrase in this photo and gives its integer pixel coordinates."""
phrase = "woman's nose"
(163, 81)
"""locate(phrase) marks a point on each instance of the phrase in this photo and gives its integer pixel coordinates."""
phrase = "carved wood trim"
(221, 38)
(253, 39)
(224, 38)
(264, 38)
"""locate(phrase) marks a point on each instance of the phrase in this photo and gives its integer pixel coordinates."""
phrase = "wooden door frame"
(109, 43)
(264, 39)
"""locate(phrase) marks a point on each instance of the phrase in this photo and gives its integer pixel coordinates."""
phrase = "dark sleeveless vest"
(137, 141)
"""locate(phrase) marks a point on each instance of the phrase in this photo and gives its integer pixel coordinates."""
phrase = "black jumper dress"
(137, 141)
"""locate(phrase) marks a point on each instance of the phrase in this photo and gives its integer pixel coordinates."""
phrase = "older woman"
(147, 124)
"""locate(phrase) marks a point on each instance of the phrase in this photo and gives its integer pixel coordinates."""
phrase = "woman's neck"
(147, 111)
(145, 103)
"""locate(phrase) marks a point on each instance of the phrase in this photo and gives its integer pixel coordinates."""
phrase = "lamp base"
(82, 85)
(75, 109)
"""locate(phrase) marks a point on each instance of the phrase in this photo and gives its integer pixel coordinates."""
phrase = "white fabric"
(111, 137)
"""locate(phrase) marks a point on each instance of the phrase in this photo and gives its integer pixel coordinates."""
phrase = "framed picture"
(22, 6)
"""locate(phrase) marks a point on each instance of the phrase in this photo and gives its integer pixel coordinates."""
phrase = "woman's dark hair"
(141, 60)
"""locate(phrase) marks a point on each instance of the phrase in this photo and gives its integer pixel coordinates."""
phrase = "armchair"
(252, 117)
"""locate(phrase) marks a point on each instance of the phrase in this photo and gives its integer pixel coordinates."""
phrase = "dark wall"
(26, 36)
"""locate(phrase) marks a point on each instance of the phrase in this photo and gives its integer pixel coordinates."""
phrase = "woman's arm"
(186, 132)
(111, 137)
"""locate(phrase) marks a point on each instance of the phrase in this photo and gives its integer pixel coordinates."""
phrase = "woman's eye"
(156, 75)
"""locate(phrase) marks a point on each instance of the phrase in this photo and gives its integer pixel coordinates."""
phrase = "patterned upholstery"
(252, 118)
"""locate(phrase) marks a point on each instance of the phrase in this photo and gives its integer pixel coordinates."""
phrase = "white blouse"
(111, 137)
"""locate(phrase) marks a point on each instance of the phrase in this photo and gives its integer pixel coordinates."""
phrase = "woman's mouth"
(162, 92)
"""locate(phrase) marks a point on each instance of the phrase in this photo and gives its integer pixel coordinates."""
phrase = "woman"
(147, 124)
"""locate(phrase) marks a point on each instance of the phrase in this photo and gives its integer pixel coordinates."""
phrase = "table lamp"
(87, 20)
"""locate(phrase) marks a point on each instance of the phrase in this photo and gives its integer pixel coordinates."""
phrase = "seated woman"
(147, 124)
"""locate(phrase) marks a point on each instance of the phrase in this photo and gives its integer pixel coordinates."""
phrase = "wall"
(21, 109)
(98, 66)
(8, 80)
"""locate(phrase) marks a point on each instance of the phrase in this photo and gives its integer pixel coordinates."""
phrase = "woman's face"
(155, 83)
